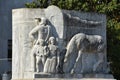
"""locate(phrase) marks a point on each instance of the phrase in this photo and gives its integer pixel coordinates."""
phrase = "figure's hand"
(31, 36)
(65, 60)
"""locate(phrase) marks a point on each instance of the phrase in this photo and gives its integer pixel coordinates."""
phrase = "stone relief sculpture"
(59, 45)
(43, 32)
(52, 60)
(48, 59)
(55, 63)
(82, 44)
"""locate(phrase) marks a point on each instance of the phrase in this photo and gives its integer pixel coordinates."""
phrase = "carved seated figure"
(53, 57)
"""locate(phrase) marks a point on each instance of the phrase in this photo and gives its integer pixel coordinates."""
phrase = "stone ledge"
(70, 76)
(66, 79)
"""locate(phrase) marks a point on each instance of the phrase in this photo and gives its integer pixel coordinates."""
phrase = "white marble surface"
(23, 23)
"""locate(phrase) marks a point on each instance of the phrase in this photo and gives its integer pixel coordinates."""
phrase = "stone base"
(75, 79)
(66, 79)
(79, 76)
(43, 76)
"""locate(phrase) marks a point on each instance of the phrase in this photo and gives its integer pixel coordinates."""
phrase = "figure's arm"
(48, 33)
(46, 51)
(33, 31)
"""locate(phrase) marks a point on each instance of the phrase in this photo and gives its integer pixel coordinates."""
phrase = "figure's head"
(37, 20)
(41, 20)
(52, 40)
(40, 42)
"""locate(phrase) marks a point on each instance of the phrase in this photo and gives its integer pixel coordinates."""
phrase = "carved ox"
(81, 44)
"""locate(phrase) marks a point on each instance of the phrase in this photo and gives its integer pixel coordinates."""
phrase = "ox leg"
(99, 63)
(78, 64)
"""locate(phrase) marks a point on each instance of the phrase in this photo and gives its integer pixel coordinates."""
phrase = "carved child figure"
(53, 57)
(40, 55)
